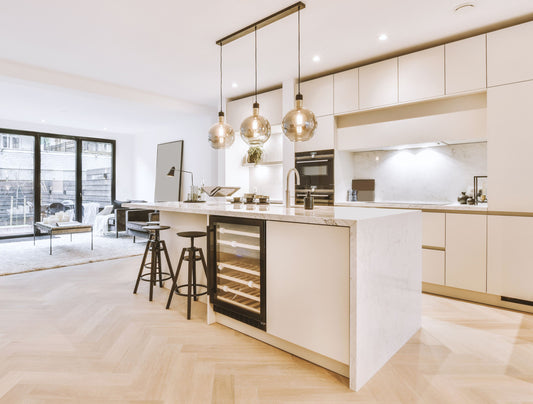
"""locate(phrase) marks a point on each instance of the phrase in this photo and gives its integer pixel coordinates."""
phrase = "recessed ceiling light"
(234, 85)
(383, 37)
(105, 128)
(316, 58)
(463, 7)
(42, 120)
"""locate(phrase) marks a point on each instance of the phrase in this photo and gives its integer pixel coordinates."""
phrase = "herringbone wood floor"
(79, 335)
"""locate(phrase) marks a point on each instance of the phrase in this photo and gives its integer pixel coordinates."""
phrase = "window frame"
(37, 168)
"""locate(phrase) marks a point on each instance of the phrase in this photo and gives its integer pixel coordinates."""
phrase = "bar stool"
(193, 254)
(155, 245)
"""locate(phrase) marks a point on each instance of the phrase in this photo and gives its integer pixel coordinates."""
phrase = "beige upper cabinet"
(378, 84)
(346, 91)
(421, 74)
(318, 95)
(509, 56)
(270, 106)
(324, 138)
(466, 251)
(237, 110)
(509, 162)
(466, 65)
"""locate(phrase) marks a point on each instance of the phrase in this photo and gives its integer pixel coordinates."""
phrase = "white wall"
(431, 174)
(198, 156)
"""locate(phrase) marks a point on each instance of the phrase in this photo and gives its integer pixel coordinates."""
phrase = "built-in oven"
(316, 176)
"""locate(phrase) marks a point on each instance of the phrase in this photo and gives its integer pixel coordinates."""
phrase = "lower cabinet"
(433, 266)
(466, 251)
(510, 257)
(315, 263)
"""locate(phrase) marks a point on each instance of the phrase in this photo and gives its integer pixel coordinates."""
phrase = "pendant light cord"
(255, 35)
(298, 49)
(221, 107)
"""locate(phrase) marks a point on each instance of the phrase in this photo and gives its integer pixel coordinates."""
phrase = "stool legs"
(142, 264)
(191, 276)
(156, 245)
(175, 281)
(168, 259)
(192, 270)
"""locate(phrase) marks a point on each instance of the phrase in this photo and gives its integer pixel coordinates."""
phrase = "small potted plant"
(255, 154)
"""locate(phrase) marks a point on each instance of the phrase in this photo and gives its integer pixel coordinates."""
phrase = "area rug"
(22, 256)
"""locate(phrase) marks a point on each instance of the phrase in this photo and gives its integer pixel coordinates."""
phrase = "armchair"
(137, 219)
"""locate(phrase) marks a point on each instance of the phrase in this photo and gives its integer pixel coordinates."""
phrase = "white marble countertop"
(329, 215)
(417, 205)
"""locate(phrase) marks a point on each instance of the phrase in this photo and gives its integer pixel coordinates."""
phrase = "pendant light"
(255, 130)
(299, 124)
(221, 134)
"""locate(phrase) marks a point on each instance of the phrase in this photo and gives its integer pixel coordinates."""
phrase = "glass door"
(96, 178)
(58, 179)
(17, 170)
(238, 269)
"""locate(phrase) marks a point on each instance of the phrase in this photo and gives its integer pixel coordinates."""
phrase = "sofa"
(117, 221)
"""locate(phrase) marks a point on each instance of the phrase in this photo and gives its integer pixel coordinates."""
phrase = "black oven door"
(315, 169)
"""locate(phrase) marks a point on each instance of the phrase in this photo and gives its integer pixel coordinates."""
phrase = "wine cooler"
(237, 262)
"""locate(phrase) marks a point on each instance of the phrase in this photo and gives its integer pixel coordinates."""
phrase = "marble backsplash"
(429, 174)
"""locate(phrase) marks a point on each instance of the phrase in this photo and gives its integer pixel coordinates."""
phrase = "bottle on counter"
(309, 201)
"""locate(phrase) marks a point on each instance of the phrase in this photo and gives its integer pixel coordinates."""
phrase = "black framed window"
(42, 174)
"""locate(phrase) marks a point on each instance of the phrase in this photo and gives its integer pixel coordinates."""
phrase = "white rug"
(22, 256)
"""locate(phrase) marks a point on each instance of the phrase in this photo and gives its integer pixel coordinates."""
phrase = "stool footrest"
(198, 285)
(147, 277)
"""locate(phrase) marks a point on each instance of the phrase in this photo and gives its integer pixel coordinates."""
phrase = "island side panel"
(388, 296)
(308, 286)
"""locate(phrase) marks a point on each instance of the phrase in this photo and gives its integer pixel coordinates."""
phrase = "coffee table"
(62, 228)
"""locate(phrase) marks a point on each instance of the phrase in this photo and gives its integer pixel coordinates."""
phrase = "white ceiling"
(167, 47)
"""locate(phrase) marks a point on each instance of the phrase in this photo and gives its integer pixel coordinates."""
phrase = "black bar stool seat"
(155, 246)
(190, 254)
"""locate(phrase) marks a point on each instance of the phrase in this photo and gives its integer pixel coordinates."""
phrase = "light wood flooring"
(79, 335)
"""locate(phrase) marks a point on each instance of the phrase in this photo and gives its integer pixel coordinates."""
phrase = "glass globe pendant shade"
(221, 135)
(299, 124)
(255, 130)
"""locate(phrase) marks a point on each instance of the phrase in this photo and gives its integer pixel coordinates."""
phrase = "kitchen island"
(343, 284)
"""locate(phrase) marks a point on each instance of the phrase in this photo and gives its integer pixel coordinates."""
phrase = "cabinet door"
(323, 139)
(510, 257)
(237, 110)
(466, 65)
(433, 266)
(421, 74)
(318, 95)
(346, 91)
(509, 123)
(433, 229)
(509, 56)
(466, 251)
(270, 106)
(295, 280)
(378, 84)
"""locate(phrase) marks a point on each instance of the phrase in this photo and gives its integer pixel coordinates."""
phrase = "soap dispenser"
(309, 201)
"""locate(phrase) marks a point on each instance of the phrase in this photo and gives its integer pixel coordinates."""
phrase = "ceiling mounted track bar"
(262, 23)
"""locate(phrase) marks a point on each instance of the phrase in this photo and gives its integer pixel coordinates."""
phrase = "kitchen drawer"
(433, 266)
(434, 229)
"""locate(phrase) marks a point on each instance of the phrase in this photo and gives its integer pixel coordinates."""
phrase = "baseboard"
(476, 297)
